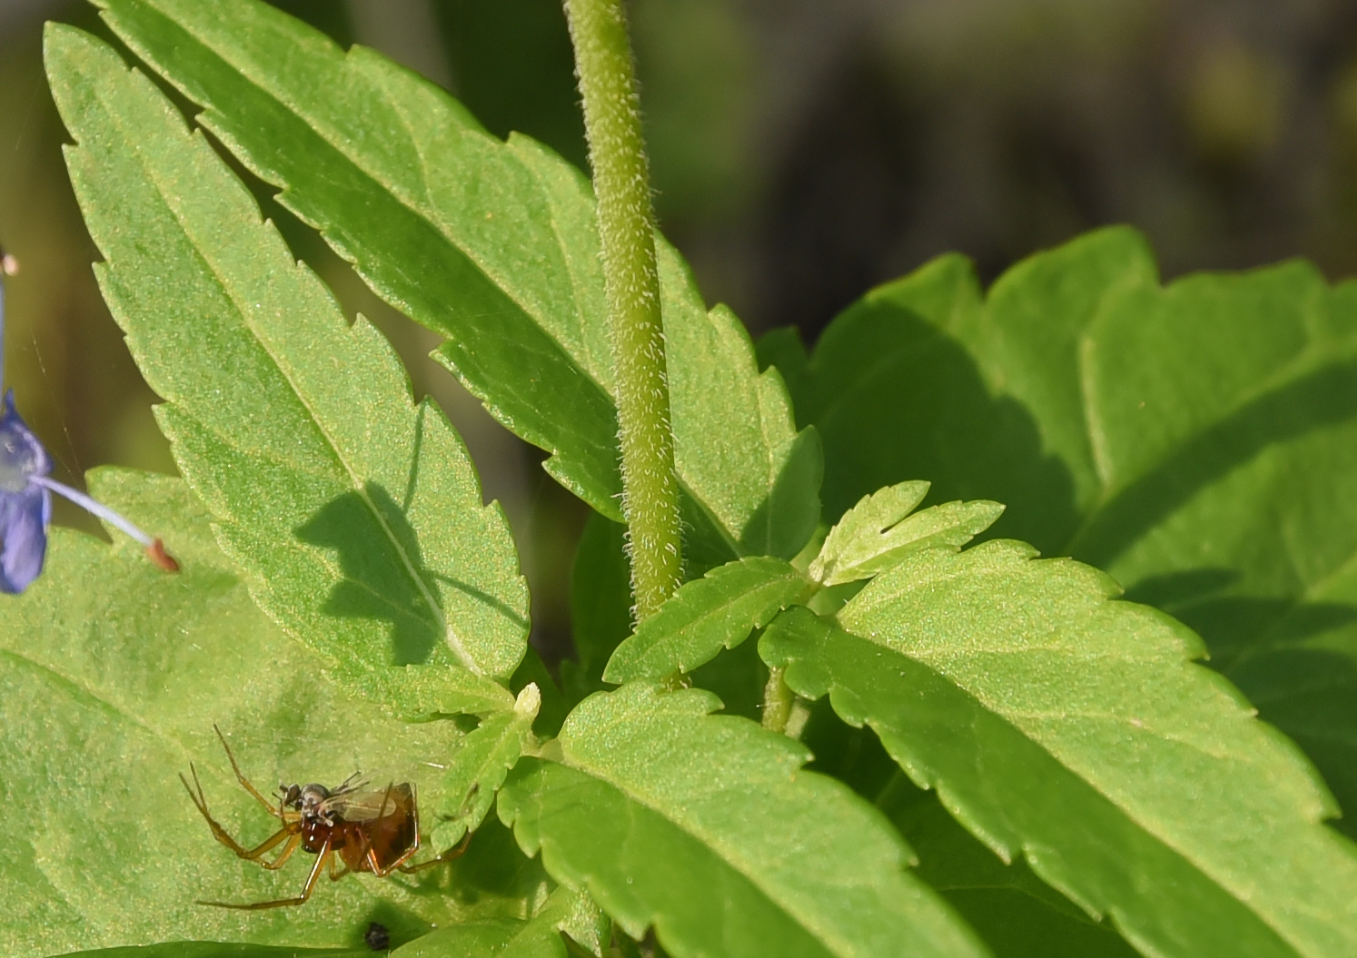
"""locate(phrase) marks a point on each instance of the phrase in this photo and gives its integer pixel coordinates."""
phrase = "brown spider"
(370, 830)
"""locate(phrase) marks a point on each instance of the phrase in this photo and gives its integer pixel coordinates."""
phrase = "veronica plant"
(26, 490)
(863, 723)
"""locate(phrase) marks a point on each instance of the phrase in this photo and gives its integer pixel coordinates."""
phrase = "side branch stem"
(626, 220)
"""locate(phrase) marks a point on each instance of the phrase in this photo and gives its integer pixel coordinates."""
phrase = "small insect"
(369, 830)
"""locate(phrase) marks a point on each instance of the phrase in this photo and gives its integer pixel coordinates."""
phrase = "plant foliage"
(934, 747)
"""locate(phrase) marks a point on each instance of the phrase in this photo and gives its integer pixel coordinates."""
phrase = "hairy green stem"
(777, 702)
(626, 221)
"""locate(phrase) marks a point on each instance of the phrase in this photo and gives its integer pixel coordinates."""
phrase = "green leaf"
(1105, 740)
(1198, 441)
(538, 937)
(1231, 505)
(215, 949)
(1015, 912)
(356, 515)
(875, 534)
(586, 926)
(113, 675)
(477, 769)
(707, 828)
(984, 369)
(493, 245)
(704, 616)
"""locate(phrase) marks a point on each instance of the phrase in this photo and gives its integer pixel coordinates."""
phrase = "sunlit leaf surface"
(357, 515)
(114, 674)
(213, 949)
(1072, 729)
(706, 828)
(704, 616)
(494, 245)
(877, 532)
(477, 768)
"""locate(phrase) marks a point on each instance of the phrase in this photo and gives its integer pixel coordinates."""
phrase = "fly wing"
(389, 822)
(395, 801)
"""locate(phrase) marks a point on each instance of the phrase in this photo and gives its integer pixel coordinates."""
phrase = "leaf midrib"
(1207, 873)
(333, 138)
(196, 141)
(721, 849)
(712, 612)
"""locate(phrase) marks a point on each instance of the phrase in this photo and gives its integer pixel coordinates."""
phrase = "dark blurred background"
(802, 150)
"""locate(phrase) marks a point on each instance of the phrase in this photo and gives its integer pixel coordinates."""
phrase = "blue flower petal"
(22, 455)
(25, 508)
(24, 517)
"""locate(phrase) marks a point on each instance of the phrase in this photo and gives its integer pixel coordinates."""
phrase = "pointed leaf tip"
(880, 531)
(356, 514)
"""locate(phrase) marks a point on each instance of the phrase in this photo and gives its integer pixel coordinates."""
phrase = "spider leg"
(240, 777)
(221, 835)
(292, 845)
(322, 859)
(377, 869)
(447, 856)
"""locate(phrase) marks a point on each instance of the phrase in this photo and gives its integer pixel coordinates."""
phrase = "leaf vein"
(168, 196)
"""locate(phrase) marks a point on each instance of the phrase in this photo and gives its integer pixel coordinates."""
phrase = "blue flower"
(26, 491)
(25, 506)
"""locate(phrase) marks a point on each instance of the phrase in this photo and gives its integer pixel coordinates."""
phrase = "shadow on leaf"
(1311, 695)
(384, 574)
(896, 398)
(1325, 397)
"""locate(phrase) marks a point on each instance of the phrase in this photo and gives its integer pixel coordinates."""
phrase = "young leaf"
(551, 704)
(873, 513)
(1105, 740)
(494, 245)
(477, 769)
(875, 533)
(113, 676)
(706, 828)
(1199, 441)
(357, 515)
(705, 615)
